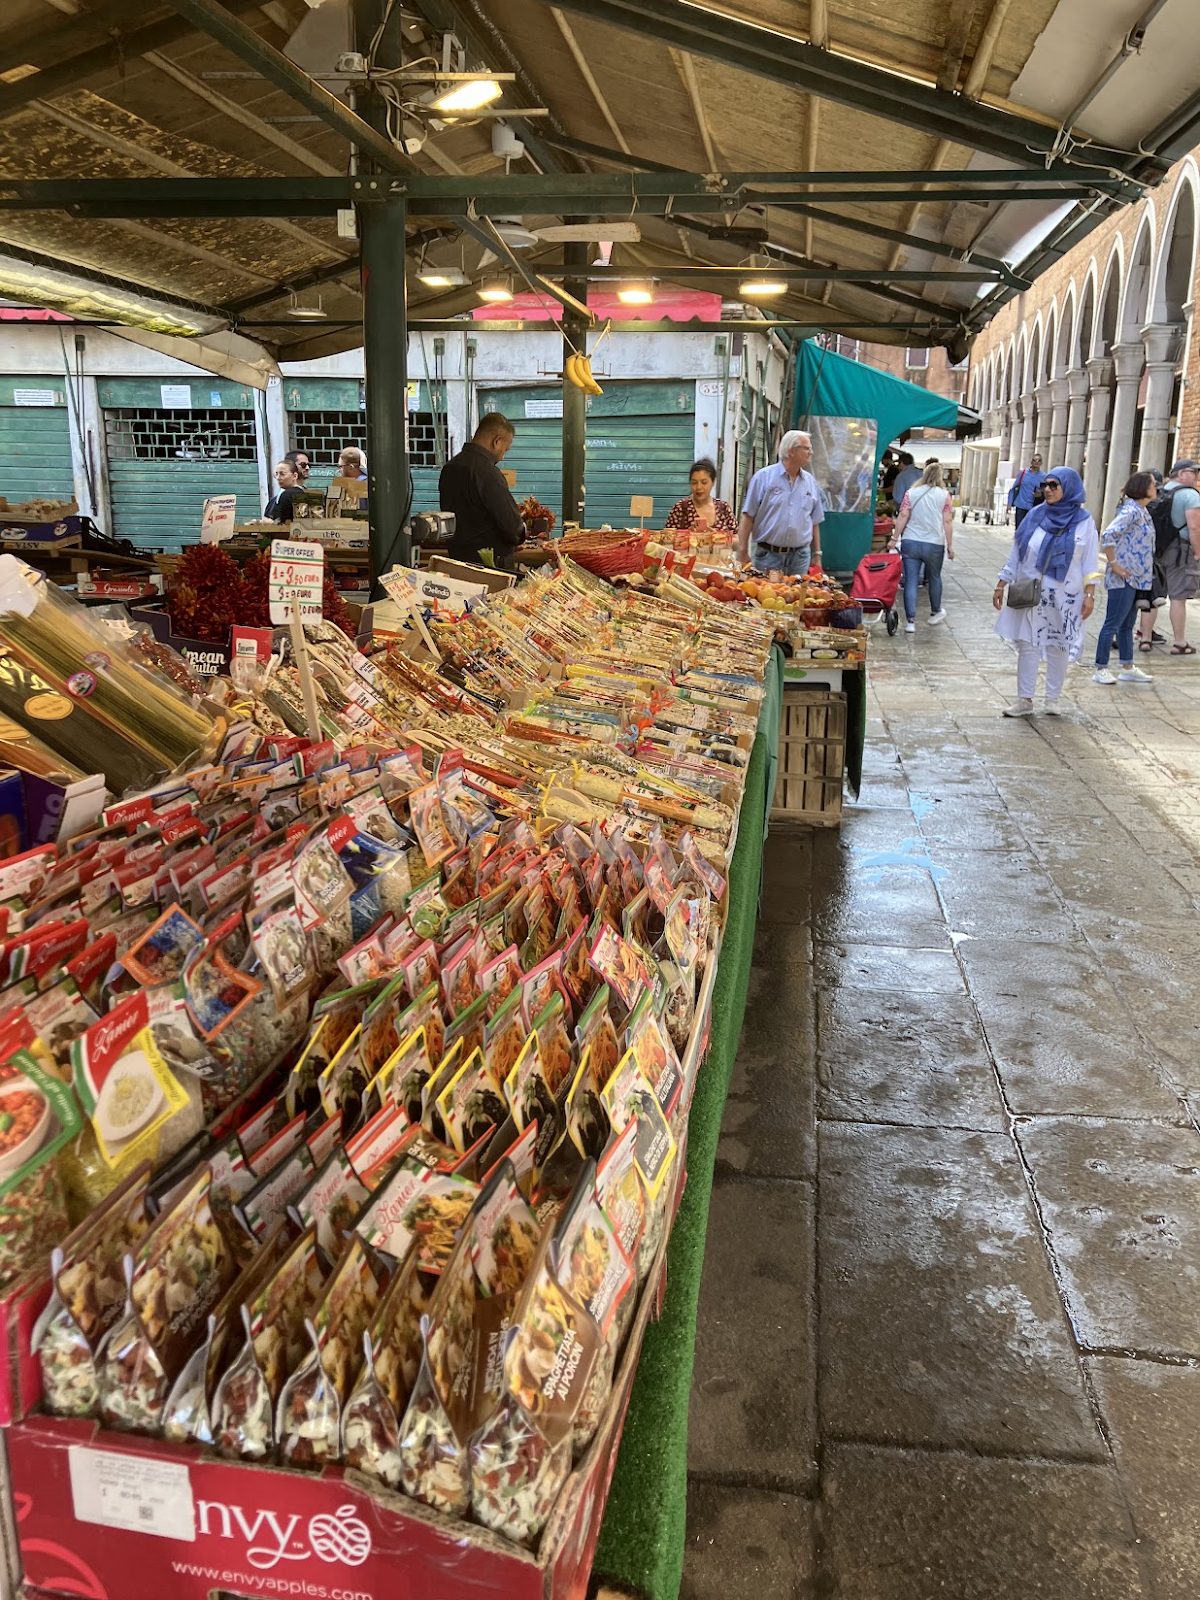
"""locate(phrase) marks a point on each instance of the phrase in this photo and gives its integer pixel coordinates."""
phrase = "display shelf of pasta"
(344, 1080)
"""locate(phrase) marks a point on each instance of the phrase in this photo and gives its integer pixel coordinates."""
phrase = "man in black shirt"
(485, 513)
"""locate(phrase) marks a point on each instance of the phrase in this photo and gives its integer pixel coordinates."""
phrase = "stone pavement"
(949, 1341)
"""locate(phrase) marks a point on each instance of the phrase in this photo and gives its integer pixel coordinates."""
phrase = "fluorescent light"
(762, 288)
(497, 291)
(70, 289)
(635, 294)
(468, 96)
(443, 277)
(303, 313)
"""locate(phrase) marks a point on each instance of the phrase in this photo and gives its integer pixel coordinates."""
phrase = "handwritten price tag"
(296, 576)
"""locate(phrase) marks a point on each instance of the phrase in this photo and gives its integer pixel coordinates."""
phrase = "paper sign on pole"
(509, 475)
(297, 575)
(641, 505)
(400, 587)
(219, 519)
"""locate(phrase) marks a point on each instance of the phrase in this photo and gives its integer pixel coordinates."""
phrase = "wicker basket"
(608, 555)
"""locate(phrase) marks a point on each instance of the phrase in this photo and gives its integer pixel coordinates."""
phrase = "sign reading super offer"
(296, 578)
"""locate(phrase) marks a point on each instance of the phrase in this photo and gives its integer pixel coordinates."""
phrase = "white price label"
(296, 577)
(400, 587)
(131, 1492)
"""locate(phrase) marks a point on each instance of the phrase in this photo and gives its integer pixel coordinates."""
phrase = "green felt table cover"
(642, 1539)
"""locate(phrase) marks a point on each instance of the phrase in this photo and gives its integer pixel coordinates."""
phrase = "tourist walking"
(924, 535)
(1128, 544)
(1026, 491)
(1177, 525)
(1050, 578)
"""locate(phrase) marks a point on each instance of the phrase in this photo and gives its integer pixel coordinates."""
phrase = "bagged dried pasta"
(308, 1420)
(273, 1325)
(371, 1418)
(432, 1443)
(38, 1120)
(89, 1292)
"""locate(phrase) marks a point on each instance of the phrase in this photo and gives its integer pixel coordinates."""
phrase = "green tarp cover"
(845, 456)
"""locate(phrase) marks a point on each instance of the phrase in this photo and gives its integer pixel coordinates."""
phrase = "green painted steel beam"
(766, 53)
(220, 23)
(775, 269)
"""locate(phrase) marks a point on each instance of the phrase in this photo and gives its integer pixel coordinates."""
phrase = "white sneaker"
(1103, 675)
(1134, 675)
(910, 627)
(936, 617)
(1053, 708)
(1019, 708)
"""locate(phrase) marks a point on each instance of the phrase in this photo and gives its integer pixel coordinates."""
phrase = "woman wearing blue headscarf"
(1057, 543)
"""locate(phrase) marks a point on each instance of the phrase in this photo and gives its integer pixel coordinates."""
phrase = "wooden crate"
(812, 759)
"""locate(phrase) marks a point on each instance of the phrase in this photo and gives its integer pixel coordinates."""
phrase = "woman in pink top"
(924, 534)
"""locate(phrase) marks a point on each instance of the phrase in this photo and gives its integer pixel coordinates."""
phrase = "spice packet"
(331, 1202)
(420, 1205)
(273, 1325)
(629, 1097)
(89, 1293)
(137, 1106)
(308, 1419)
(160, 955)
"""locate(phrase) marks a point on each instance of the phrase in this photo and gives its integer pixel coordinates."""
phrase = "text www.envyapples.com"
(253, 1583)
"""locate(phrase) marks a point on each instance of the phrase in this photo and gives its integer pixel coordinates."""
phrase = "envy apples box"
(113, 1516)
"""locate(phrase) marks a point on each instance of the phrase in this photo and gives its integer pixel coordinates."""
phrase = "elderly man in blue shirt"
(1025, 488)
(783, 511)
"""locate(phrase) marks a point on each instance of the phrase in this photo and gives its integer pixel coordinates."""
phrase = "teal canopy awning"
(853, 412)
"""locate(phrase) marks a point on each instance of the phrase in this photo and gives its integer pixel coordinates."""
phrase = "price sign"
(401, 587)
(220, 518)
(129, 1492)
(641, 505)
(295, 579)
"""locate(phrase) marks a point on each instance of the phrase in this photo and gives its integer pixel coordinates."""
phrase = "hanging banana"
(578, 370)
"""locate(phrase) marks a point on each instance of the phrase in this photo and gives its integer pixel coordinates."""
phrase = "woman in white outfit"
(924, 533)
(1058, 544)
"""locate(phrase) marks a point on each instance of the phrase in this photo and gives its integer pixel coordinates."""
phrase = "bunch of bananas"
(578, 370)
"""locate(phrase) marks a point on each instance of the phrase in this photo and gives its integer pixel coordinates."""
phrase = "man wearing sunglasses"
(1024, 494)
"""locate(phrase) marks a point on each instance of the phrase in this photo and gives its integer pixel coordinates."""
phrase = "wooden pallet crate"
(812, 759)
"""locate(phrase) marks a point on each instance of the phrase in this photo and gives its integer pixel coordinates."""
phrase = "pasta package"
(418, 1205)
(38, 1121)
(432, 1443)
(308, 1423)
(181, 1270)
(371, 1419)
(89, 1293)
(273, 1322)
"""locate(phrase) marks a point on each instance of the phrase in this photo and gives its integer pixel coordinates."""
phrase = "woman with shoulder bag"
(1050, 576)
(924, 533)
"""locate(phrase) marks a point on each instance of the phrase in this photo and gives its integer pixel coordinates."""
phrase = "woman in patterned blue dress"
(1128, 544)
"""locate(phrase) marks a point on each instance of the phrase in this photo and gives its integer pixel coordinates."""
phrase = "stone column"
(1041, 437)
(1161, 345)
(1028, 408)
(1059, 396)
(1099, 372)
(1006, 432)
(1128, 359)
(1077, 406)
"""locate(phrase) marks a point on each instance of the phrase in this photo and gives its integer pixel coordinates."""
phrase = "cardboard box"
(20, 1371)
(467, 572)
(117, 1517)
(350, 531)
(135, 587)
(207, 657)
(63, 534)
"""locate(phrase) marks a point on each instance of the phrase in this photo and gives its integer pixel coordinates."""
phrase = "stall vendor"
(279, 506)
(699, 509)
(485, 514)
(784, 512)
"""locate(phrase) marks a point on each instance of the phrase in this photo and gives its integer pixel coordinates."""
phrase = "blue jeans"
(919, 558)
(1118, 624)
(792, 563)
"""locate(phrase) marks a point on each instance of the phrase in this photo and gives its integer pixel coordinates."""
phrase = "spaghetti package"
(180, 1271)
(89, 1293)
(273, 1325)
(308, 1421)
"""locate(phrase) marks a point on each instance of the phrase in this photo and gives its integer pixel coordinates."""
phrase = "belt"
(783, 549)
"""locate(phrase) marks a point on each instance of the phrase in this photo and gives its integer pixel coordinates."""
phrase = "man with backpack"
(1026, 492)
(1176, 517)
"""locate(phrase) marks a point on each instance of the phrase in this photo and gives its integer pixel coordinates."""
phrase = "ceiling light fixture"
(635, 294)
(303, 313)
(496, 291)
(442, 277)
(470, 96)
(764, 286)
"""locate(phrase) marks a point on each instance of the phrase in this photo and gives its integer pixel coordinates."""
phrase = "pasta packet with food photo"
(503, 1038)
(378, 873)
(274, 1342)
(417, 1205)
(138, 1108)
(469, 1025)
(655, 1054)
(181, 1269)
(88, 1274)
(331, 1203)
(407, 1073)
(587, 1121)
(371, 1417)
(57, 1018)
(471, 1103)
(377, 1146)
(308, 1419)
(628, 1096)
(266, 1204)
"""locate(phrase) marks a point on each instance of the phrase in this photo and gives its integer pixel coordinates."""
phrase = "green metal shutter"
(637, 455)
(35, 441)
(159, 504)
(535, 454)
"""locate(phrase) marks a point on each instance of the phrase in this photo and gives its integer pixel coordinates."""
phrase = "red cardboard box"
(111, 1516)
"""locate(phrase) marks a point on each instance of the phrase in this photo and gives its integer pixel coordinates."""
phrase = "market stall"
(365, 1006)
